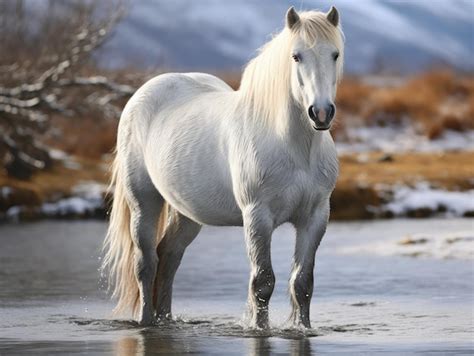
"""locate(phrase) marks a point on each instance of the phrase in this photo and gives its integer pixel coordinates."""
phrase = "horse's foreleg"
(258, 227)
(180, 232)
(308, 237)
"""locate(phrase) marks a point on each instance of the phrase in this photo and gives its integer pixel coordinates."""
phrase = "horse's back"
(160, 97)
(169, 87)
(211, 80)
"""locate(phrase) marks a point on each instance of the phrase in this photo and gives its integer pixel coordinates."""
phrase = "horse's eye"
(296, 57)
(335, 56)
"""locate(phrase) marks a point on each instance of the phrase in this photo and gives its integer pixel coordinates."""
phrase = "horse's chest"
(301, 190)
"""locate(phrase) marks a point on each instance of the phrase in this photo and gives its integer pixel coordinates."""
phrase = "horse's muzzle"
(322, 117)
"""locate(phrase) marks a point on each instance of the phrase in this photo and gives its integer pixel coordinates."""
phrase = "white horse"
(191, 151)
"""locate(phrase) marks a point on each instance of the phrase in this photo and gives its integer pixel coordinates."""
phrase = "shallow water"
(51, 299)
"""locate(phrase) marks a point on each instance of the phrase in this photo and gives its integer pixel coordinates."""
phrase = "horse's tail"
(119, 247)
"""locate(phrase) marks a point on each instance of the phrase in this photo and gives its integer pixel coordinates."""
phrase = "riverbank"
(370, 185)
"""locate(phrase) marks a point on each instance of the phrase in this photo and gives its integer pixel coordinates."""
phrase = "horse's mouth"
(315, 126)
(321, 128)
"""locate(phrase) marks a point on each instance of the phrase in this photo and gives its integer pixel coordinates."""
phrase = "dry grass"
(432, 102)
(450, 170)
(51, 184)
(358, 181)
(87, 137)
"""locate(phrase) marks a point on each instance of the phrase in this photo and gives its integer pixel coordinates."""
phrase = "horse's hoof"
(146, 321)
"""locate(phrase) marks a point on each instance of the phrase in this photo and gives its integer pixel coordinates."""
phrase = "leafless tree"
(44, 47)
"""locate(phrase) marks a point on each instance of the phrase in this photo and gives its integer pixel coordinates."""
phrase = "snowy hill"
(212, 34)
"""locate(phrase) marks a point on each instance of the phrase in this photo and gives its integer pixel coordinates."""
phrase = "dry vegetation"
(433, 102)
(48, 185)
(362, 182)
(47, 71)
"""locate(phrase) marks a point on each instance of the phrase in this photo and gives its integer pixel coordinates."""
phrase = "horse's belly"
(205, 204)
(193, 178)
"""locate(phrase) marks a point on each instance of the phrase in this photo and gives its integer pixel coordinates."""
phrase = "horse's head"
(317, 56)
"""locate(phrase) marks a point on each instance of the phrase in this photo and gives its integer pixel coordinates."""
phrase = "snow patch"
(13, 212)
(74, 205)
(5, 192)
(88, 197)
(58, 154)
(402, 139)
(422, 196)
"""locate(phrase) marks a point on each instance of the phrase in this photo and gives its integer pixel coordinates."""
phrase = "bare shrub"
(46, 69)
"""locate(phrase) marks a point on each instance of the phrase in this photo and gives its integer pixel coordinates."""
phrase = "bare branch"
(99, 81)
(25, 108)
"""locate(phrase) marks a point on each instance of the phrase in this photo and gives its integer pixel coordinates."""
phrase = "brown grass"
(358, 181)
(433, 102)
(88, 137)
(52, 184)
(453, 170)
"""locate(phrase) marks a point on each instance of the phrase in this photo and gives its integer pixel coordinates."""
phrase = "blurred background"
(394, 271)
(405, 108)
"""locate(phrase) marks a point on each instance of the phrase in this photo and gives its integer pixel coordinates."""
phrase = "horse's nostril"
(312, 113)
(331, 111)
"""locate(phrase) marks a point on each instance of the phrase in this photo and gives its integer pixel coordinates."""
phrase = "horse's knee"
(263, 284)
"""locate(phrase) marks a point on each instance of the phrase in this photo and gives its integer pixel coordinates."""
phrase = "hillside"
(380, 35)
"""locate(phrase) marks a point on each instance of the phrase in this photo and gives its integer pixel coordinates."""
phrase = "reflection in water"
(130, 345)
(263, 346)
(153, 341)
(259, 346)
(300, 347)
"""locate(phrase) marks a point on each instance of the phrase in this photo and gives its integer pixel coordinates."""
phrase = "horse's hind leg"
(179, 233)
(145, 208)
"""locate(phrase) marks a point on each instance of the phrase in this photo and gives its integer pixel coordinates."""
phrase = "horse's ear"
(292, 17)
(333, 16)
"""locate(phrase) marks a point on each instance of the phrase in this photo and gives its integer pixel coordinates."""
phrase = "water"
(51, 300)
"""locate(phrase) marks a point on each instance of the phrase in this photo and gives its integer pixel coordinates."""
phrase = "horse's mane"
(266, 80)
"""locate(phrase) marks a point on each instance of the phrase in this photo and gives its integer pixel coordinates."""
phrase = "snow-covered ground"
(402, 139)
(455, 245)
(422, 196)
(87, 199)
